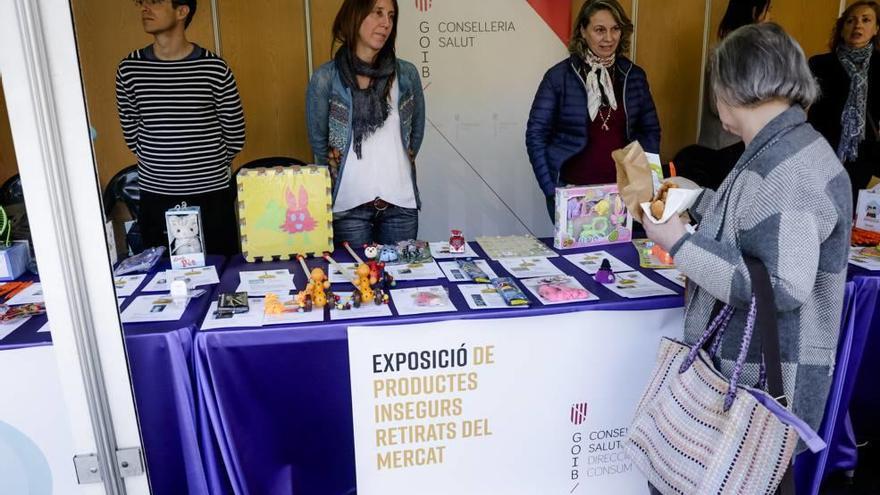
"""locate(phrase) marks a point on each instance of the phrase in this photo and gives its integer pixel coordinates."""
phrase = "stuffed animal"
(371, 251)
(184, 233)
(388, 254)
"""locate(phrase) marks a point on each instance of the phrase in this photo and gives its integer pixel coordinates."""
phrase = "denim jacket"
(329, 116)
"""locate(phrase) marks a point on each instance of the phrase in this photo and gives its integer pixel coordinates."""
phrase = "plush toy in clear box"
(590, 216)
(186, 241)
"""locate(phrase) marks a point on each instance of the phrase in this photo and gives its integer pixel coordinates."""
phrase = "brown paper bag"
(634, 180)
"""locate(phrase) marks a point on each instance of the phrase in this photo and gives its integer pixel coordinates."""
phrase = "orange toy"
(273, 305)
(362, 283)
(661, 255)
(315, 290)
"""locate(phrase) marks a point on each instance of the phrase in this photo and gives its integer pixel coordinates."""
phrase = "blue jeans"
(365, 225)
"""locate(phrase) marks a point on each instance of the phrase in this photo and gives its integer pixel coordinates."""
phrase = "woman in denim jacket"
(366, 120)
(590, 104)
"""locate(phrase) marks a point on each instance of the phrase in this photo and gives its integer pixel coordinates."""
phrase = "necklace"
(605, 118)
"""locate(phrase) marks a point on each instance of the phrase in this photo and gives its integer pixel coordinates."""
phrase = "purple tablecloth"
(28, 334)
(865, 405)
(858, 309)
(160, 359)
(275, 402)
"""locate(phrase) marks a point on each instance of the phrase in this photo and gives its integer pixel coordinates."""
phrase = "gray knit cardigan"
(788, 203)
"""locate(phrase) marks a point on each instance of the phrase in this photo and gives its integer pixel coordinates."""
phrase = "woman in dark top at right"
(849, 105)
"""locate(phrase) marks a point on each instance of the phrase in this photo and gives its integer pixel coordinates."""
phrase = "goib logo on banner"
(423, 5)
(578, 413)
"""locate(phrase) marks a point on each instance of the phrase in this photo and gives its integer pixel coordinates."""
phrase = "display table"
(275, 402)
(160, 356)
(28, 334)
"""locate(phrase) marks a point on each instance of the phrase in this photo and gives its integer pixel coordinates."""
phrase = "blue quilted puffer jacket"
(557, 127)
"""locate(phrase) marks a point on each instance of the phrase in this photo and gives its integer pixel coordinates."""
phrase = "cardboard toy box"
(13, 261)
(868, 210)
(186, 239)
(590, 216)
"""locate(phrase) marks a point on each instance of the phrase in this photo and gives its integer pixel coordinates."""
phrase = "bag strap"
(722, 315)
(767, 327)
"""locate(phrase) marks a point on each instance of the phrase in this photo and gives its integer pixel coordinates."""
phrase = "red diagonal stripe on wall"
(557, 15)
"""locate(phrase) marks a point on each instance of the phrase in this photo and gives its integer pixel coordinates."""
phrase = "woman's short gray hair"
(761, 62)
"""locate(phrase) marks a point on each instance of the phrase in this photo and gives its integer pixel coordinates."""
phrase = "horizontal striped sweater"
(182, 119)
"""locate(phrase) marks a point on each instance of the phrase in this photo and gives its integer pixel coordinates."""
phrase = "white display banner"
(481, 63)
(512, 405)
(36, 446)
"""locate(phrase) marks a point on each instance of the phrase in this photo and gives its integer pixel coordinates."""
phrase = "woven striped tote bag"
(697, 432)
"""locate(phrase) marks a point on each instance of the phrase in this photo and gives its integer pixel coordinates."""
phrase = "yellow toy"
(272, 305)
(362, 284)
(314, 294)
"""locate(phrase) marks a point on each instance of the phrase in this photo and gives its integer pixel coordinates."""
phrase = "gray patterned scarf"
(370, 106)
(856, 62)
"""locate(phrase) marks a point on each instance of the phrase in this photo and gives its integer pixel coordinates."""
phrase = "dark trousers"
(367, 224)
(219, 225)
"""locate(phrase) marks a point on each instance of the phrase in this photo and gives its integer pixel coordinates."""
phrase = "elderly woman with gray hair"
(786, 202)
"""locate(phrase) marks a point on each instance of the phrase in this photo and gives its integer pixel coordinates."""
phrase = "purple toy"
(604, 275)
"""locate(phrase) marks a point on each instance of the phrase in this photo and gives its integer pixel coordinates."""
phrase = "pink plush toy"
(556, 293)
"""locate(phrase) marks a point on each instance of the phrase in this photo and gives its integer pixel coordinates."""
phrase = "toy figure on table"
(317, 291)
(382, 281)
(414, 251)
(363, 292)
(457, 243)
(604, 275)
(371, 252)
(274, 306)
(388, 254)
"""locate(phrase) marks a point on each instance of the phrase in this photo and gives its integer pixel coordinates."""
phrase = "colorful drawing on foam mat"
(284, 211)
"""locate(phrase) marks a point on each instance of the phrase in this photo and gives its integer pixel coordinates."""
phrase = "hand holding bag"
(697, 432)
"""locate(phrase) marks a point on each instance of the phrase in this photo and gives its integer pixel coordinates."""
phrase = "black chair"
(273, 161)
(124, 187)
(267, 162)
(11, 192)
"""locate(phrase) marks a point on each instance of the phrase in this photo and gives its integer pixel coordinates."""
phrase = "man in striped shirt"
(181, 116)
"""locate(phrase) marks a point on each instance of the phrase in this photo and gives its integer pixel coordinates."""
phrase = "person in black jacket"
(849, 77)
(590, 104)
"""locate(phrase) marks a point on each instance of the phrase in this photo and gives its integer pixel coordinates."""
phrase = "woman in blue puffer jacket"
(590, 104)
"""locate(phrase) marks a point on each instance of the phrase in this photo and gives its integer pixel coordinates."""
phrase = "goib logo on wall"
(423, 5)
